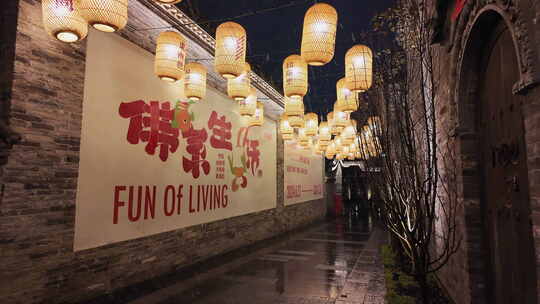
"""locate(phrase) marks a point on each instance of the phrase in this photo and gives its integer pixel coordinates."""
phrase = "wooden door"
(506, 208)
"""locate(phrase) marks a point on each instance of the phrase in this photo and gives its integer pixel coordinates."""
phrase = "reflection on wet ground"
(310, 267)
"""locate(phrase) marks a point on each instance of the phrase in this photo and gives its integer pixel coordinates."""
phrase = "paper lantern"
(312, 124)
(319, 34)
(248, 106)
(294, 107)
(284, 126)
(168, 1)
(195, 81)
(287, 137)
(340, 156)
(230, 49)
(170, 56)
(104, 15)
(258, 118)
(330, 150)
(340, 118)
(334, 129)
(358, 68)
(239, 88)
(324, 132)
(338, 144)
(303, 138)
(350, 156)
(347, 101)
(295, 77)
(349, 133)
(297, 121)
(62, 21)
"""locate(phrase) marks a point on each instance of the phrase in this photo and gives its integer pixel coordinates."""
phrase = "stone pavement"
(335, 262)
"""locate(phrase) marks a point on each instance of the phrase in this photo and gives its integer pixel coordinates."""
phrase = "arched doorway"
(511, 270)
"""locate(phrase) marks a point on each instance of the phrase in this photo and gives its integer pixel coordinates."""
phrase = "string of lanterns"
(68, 20)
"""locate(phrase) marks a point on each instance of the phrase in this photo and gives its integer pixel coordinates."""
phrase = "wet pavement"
(333, 262)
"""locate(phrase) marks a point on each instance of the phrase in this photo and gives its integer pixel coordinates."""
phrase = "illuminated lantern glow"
(297, 121)
(359, 68)
(230, 52)
(258, 118)
(104, 15)
(324, 133)
(248, 106)
(334, 130)
(347, 101)
(330, 150)
(62, 21)
(295, 77)
(239, 88)
(312, 124)
(350, 156)
(284, 126)
(319, 34)
(349, 133)
(340, 118)
(294, 107)
(287, 137)
(358, 155)
(168, 1)
(170, 56)
(303, 138)
(338, 144)
(195, 81)
(340, 156)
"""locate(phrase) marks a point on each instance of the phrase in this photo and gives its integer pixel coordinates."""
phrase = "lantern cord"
(252, 13)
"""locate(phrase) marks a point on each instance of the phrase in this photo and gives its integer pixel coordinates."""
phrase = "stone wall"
(37, 215)
(465, 275)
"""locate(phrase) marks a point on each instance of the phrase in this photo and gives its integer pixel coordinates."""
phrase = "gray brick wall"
(37, 263)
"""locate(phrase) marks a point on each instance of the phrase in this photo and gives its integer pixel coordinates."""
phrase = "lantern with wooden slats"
(319, 34)
(340, 118)
(347, 101)
(330, 150)
(359, 68)
(248, 106)
(295, 77)
(170, 56)
(303, 138)
(104, 15)
(334, 130)
(312, 124)
(297, 121)
(338, 144)
(195, 81)
(239, 88)
(324, 133)
(349, 133)
(258, 118)
(230, 52)
(294, 107)
(284, 126)
(63, 21)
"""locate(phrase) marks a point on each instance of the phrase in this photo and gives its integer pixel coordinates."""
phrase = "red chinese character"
(253, 154)
(151, 124)
(197, 149)
(221, 132)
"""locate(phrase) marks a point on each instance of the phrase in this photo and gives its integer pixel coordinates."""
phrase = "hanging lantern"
(303, 139)
(62, 21)
(312, 124)
(239, 88)
(284, 126)
(258, 118)
(350, 156)
(340, 156)
(330, 150)
(295, 77)
(294, 107)
(334, 129)
(104, 15)
(349, 133)
(358, 68)
(287, 137)
(324, 133)
(195, 81)
(347, 101)
(297, 121)
(248, 106)
(338, 144)
(340, 118)
(170, 56)
(168, 1)
(230, 49)
(319, 34)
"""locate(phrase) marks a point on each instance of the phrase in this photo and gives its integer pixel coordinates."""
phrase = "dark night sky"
(274, 34)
